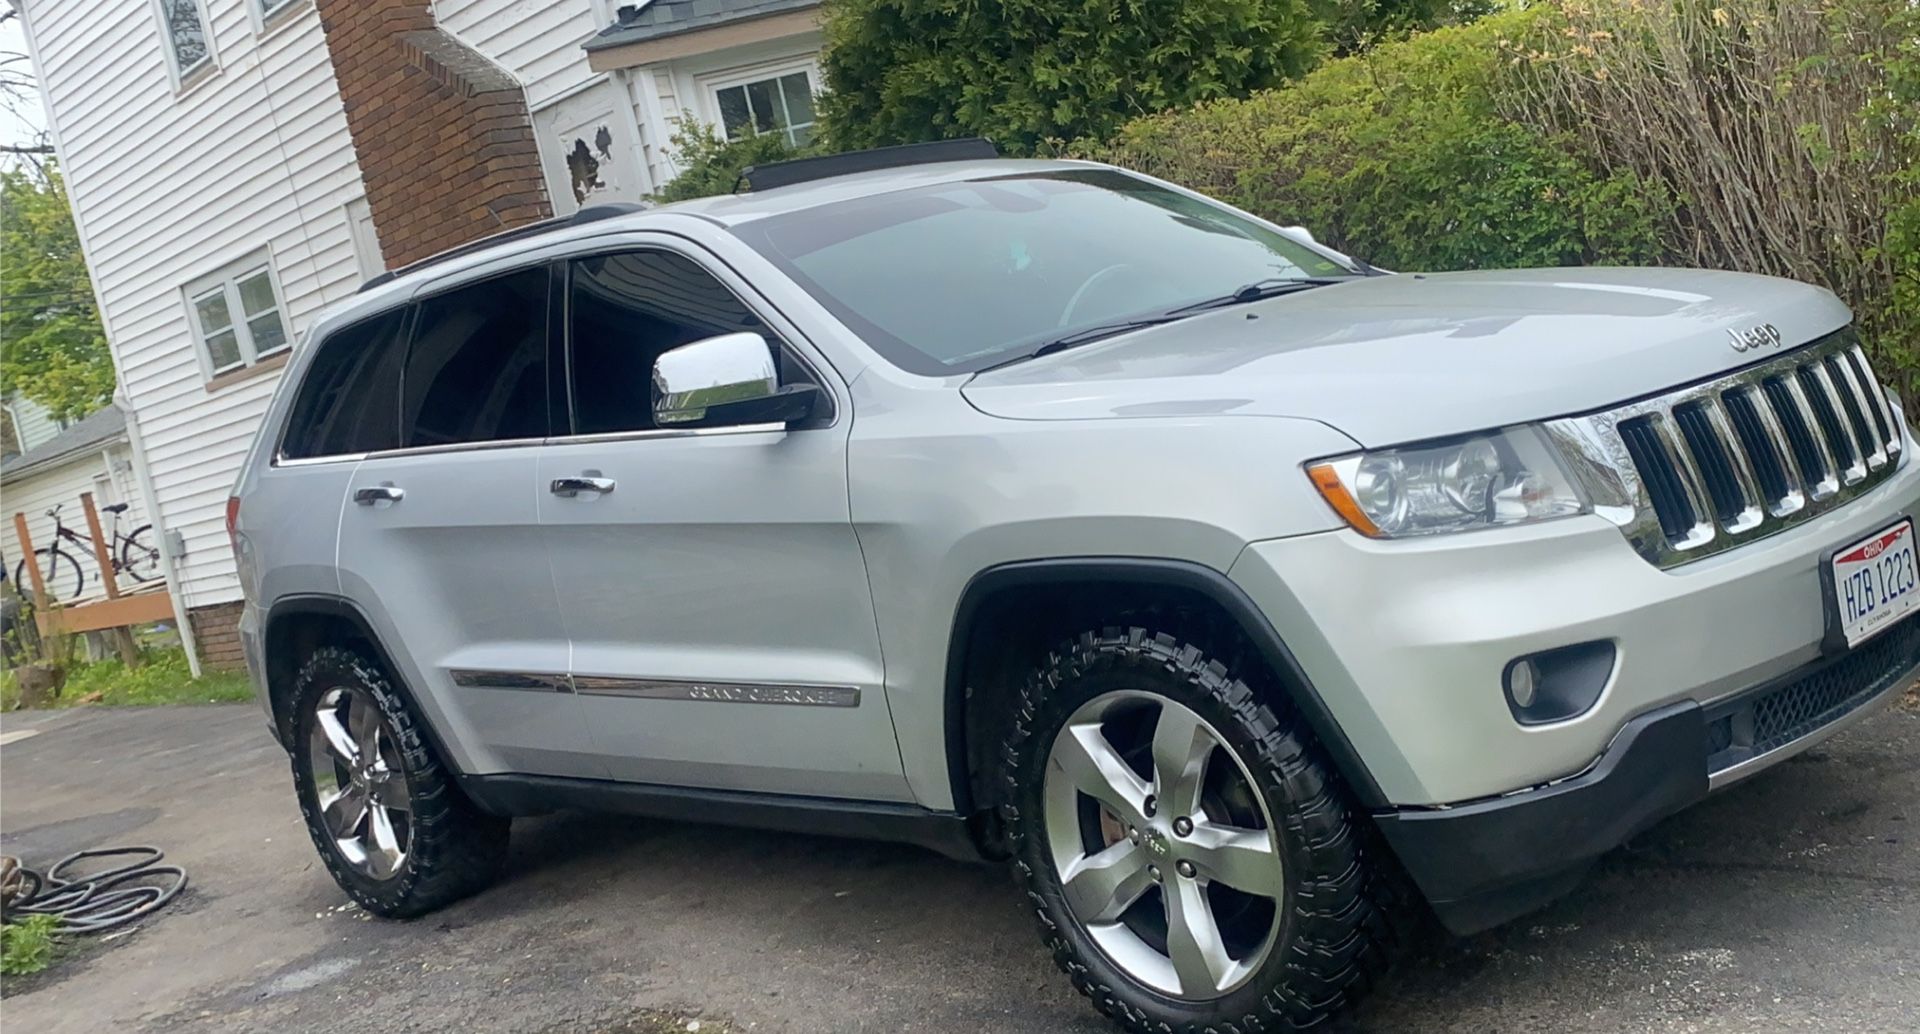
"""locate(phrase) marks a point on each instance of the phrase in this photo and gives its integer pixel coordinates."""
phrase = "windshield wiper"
(1261, 289)
(1085, 335)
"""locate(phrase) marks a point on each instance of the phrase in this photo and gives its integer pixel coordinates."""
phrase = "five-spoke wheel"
(1165, 852)
(362, 788)
(390, 821)
(1192, 861)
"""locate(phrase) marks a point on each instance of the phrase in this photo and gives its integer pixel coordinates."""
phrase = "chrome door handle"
(571, 487)
(387, 493)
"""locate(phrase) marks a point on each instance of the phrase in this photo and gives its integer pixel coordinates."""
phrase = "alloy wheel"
(362, 789)
(1164, 846)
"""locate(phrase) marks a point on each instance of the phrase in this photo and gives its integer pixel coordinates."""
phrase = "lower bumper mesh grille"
(1750, 726)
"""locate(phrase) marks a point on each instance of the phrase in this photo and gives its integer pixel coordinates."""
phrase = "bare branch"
(27, 149)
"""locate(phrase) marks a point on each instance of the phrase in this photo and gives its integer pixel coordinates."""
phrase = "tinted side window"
(626, 309)
(477, 370)
(350, 400)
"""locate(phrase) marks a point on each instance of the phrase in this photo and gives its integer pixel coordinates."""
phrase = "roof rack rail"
(802, 170)
(589, 214)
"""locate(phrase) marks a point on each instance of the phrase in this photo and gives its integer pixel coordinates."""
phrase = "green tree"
(52, 349)
(1026, 72)
(711, 165)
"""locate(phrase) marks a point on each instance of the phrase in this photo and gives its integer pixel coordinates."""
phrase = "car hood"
(1399, 358)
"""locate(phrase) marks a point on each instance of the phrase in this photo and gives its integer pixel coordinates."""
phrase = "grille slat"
(1715, 463)
(1883, 420)
(1765, 445)
(1671, 501)
(1796, 420)
(1839, 437)
(1702, 469)
(1859, 410)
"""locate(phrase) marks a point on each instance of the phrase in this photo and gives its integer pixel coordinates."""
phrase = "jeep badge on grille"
(1766, 335)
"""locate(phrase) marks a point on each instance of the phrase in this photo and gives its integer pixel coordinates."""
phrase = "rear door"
(439, 537)
(723, 633)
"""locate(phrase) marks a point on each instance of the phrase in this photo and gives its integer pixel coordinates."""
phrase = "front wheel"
(390, 823)
(61, 572)
(1193, 864)
(138, 557)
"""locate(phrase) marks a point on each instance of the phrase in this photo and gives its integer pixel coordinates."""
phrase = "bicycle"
(132, 554)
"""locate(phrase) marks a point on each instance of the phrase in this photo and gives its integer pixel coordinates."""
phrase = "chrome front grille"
(1706, 468)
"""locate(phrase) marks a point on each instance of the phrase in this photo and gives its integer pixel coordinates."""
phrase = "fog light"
(1555, 685)
(1520, 682)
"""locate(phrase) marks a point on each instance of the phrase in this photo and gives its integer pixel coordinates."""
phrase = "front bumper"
(1483, 863)
(1405, 644)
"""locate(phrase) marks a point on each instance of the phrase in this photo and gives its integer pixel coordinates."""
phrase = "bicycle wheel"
(139, 558)
(61, 571)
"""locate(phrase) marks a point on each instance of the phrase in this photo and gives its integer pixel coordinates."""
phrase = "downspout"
(169, 563)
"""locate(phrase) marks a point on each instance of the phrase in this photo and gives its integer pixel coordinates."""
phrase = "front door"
(439, 538)
(723, 633)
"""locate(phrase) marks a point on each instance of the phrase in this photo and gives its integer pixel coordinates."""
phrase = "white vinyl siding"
(237, 316)
(537, 41)
(32, 423)
(168, 186)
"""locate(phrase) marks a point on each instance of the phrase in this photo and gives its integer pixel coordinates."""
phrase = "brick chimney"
(443, 135)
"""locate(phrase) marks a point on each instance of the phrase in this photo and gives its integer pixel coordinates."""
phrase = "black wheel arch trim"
(321, 605)
(1178, 574)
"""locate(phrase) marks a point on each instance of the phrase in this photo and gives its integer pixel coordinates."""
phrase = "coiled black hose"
(99, 901)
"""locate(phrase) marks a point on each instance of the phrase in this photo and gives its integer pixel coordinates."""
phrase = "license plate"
(1876, 582)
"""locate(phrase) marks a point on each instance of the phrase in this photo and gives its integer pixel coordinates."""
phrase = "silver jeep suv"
(1243, 595)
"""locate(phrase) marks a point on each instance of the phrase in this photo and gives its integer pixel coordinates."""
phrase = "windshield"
(956, 277)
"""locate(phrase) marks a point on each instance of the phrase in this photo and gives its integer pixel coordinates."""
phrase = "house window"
(780, 104)
(269, 8)
(183, 27)
(237, 317)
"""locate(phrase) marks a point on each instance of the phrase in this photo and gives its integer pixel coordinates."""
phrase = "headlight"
(1481, 481)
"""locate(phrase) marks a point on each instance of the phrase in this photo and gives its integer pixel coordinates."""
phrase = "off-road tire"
(455, 849)
(1336, 936)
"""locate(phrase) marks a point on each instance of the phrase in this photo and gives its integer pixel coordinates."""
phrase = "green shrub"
(27, 945)
(1023, 72)
(1897, 322)
(711, 165)
(1785, 132)
(1400, 155)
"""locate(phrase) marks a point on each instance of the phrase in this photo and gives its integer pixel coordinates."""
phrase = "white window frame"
(184, 78)
(368, 258)
(226, 281)
(710, 84)
(268, 15)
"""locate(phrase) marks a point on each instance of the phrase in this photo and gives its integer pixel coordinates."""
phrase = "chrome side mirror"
(730, 379)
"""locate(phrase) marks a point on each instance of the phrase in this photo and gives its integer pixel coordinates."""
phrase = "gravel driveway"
(1789, 903)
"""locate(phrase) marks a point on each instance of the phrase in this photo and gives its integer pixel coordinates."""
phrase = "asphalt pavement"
(1790, 903)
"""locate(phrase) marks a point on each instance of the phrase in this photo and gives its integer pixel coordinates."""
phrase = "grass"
(27, 946)
(163, 678)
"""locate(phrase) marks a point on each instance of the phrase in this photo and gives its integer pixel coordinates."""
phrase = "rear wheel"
(60, 571)
(393, 828)
(1192, 862)
(139, 559)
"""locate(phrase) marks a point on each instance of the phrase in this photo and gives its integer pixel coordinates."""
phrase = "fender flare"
(341, 608)
(1178, 574)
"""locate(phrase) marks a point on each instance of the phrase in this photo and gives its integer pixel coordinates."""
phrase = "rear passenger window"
(350, 400)
(477, 370)
(626, 309)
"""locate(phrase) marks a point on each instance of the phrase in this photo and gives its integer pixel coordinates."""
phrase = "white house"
(58, 464)
(236, 165)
